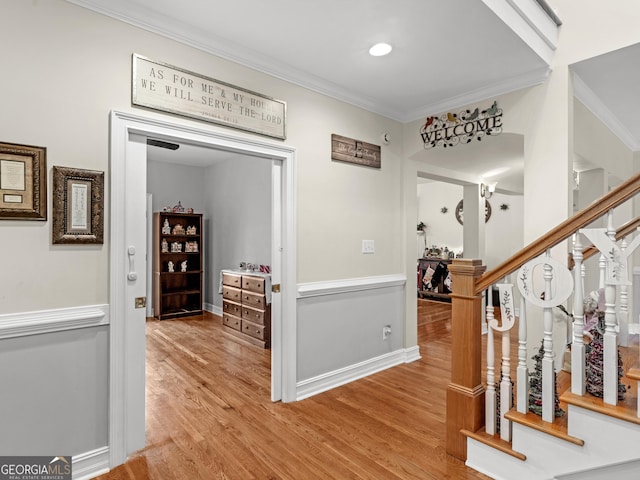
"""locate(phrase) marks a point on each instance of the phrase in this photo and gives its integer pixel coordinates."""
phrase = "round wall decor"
(460, 213)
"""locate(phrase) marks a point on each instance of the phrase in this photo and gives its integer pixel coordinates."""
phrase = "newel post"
(465, 393)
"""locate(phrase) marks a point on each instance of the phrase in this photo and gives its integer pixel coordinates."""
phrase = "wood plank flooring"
(209, 414)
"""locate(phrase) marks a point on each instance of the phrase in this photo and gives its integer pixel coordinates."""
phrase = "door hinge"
(141, 302)
(275, 288)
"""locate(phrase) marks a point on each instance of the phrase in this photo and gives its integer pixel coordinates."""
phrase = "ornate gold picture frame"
(23, 182)
(78, 206)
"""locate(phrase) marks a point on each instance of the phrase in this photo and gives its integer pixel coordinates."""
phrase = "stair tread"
(633, 374)
(558, 428)
(624, 410)
(494, 441)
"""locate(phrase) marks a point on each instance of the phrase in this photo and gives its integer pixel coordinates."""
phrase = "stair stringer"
(606, 440)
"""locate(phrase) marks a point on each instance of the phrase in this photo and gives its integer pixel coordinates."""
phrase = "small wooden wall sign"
(345, 149)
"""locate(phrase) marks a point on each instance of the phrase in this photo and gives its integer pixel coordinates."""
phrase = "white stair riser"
(607, 441)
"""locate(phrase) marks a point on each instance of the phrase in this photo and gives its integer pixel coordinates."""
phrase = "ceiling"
(446, 54)
(608, 85)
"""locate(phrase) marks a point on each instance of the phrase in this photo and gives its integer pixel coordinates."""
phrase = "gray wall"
(170, 183)
(54, 392)
(234, 197)
(238, 198)
(341, 330)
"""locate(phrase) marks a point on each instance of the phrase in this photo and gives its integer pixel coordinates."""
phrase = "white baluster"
(490, 395)
(548, 378)
(623, 313)
(577, 347)
(523, 372)
(610, 360)
(508, 319)
(602, 267)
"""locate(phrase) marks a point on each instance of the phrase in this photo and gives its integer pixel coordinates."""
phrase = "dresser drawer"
(231, 321)
(232, 308)
(230, 293)
(263, 317)
(253, 299)
(232, 279)
(254, 330)
(253, 284)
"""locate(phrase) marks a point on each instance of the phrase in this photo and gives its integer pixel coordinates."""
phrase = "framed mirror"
(460, 212)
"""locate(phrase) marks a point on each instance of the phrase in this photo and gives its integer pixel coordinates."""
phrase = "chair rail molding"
(56, 320)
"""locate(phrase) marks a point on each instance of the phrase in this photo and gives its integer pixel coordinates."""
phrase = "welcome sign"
(450, 129)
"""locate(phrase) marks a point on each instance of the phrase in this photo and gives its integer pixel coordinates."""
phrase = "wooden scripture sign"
(349, 150)
(171, 89)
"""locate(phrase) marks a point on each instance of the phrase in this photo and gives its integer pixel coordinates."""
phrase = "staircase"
(592, 441)
(597, 437)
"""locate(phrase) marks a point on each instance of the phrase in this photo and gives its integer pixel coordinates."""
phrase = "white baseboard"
(90, 464)
(211, 308)
(412, 354)
(327, 381)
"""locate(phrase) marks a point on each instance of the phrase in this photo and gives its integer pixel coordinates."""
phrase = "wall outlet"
(386, 332)
(368, 246)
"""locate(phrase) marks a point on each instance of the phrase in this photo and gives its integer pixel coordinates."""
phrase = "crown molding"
(510, 85)
(170, 28)
(589, 99)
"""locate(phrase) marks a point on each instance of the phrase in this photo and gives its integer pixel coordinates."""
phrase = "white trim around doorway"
(122, 125)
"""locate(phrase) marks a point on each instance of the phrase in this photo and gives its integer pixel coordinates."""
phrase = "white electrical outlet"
(368, 246)
(386, 332)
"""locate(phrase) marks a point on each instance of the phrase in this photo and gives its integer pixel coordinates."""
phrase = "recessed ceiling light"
(380, 49)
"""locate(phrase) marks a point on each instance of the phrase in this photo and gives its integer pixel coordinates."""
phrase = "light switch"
(368, 246)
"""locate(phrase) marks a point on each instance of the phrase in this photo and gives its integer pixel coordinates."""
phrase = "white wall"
(442, 229)
(70, 68)
(503, 231)
(87, 77)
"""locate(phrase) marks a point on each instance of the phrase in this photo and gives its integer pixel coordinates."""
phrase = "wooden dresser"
(246, 309)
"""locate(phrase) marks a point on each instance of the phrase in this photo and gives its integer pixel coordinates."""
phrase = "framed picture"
(23, 182)
(78, 206)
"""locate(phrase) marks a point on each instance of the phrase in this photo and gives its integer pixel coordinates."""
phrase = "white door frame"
(283, 366)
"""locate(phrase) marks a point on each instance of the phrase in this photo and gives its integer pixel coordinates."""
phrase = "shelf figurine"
(166, 229)
(191, 230)
(183, 266)
(165, 246)
(178, 230)
(170, 266)
(176, 247)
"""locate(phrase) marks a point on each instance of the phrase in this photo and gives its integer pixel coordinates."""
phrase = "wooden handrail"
(626, 229)
(584, 217)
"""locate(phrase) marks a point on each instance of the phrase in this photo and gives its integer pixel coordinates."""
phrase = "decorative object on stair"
(535, 387)
(594, 363)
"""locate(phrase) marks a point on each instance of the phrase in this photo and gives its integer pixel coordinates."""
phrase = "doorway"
(128, 161)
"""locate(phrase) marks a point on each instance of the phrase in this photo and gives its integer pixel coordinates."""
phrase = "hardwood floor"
(209, 414)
